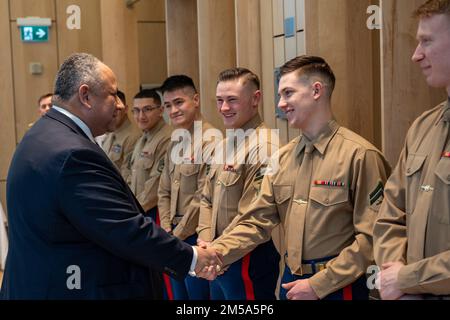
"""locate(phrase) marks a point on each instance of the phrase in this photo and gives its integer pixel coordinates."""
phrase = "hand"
(387, 281)
(168, 230)
(203, 244)
(209, 263)
(300, 290)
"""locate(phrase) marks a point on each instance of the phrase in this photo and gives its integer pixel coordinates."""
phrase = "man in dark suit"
(76, 230)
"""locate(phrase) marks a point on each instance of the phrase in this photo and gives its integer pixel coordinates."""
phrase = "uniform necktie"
(138, 150)
(298, 210)
(143, 142)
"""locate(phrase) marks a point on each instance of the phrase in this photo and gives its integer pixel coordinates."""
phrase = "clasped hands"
(209, 261)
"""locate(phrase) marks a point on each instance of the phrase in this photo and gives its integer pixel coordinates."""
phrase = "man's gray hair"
(76, 70)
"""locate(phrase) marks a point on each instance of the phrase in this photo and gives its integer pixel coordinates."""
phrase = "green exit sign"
(34, 33)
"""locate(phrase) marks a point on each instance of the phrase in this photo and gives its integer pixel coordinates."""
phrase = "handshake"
(209, 261)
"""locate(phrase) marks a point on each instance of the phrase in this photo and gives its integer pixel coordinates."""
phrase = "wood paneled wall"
(28, 87)
(217, 50)
(86, 39)
(405, 92)
(32, 8)
(152, 41)
(7, 115)
(248, 37)
(120, 40)
(337, 31)
(182, 39)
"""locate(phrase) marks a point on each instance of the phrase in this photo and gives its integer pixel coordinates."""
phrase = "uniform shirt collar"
(123, 127)
(322, 140)
(445, 109)
(156, 128)
(77, 121)
(253, 123)
(192, 127)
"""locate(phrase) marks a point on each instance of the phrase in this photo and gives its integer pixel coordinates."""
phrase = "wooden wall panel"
(279, 59)
(300, 14)
(405, 92)
(32, 8)
(376, 72)
(182, 38)
(278, 17)
(150, 10)
(217, 50)
(152, 52)
(120, 43)
(27, 87)
(248, 37)
(7, 122)
(88, 38)
(267, 63)
(290, 52)
(337, 31)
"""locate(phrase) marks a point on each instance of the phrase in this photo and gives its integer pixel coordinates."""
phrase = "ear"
(317, 90)
(161, 110)
(196, 100)
(257, 97)
(84, 95)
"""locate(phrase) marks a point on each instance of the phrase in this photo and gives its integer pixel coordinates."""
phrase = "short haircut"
(177, 82)
(310, 66)
(238, 73)
(76, 70)
(432, 7)
(149, 94)
(44, 96)
(122, 97)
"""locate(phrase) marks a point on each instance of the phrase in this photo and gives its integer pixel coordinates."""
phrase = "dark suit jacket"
(69, 206)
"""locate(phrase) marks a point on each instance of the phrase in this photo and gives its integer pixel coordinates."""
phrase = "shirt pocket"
(148, 162)
(441, 196)
(229, 178)
(281, 194)
(229, 182)
(414, 164)
(329, 196)
(188, 178)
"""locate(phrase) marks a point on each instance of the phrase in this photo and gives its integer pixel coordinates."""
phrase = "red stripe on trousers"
(157, 217)
(348, 294)
(168, 286)
(248, 284)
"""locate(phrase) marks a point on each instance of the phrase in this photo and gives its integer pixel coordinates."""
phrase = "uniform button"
(327, 201)
(409, 170)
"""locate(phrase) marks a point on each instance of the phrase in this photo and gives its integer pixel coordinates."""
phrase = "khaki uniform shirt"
(334, 218)
(119, 145)
(181, 185)
(414, 221)
(230, 189)
(147, 163)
